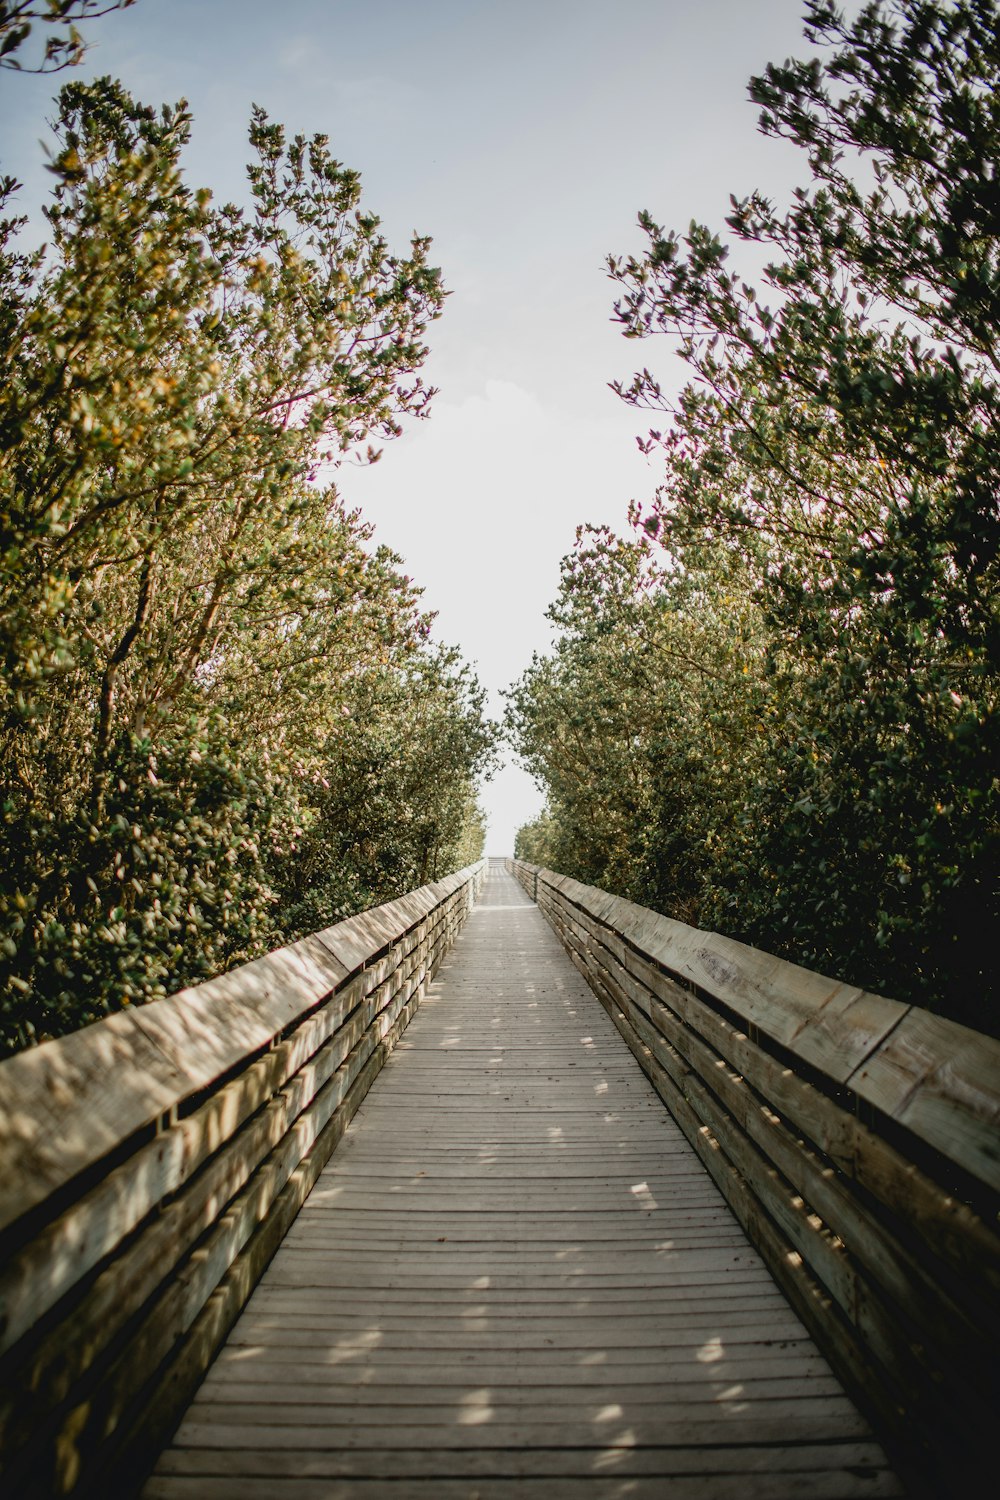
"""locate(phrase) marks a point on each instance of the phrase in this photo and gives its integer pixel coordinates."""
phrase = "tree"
(832, 467)
(637, 723)
(196, 633)
(391, 802)
(63, 49)
(533, 841)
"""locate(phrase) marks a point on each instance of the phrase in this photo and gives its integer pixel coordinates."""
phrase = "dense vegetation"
(223, 723)
(773, 708)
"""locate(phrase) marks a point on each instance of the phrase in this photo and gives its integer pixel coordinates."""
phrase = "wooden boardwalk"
(514, 1279)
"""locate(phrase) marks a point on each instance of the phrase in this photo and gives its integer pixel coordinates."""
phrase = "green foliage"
(826, 785)
(63, 49)
(170, 881)
(221, 721)
(392, 805)
(533, 841)
(638, 722)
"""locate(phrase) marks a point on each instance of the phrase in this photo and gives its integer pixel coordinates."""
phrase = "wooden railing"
(150, 1165)
(857, 1141)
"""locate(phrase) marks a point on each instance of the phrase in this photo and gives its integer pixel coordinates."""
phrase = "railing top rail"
(937, 1079)
(73, 1101)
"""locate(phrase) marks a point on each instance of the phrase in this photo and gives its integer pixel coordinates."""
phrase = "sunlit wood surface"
(514, 1279)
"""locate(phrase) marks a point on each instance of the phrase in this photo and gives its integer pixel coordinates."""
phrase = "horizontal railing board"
(830, 1025)
(76, 1241)
(59, 1114)
(100, 1303)
(933, 1076)
(864, 1187)
(357, 940)
(105, 1083)
(941, 1081)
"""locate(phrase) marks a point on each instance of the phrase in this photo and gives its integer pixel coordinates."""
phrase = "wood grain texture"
(70, 1102)
(127, 1262)
(856, 1141)
(936, 1079)
(514, 1278)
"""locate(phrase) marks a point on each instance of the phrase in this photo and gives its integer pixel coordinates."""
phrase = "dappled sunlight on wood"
(515, 1272)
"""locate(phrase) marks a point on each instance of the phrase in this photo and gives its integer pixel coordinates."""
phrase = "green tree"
(641, 719)
(390, 802)
(841, 435)
(197, 634)
(533, 841)
(823, 782)
(63, 49)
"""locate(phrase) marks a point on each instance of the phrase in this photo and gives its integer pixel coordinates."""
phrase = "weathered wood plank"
(856, 1139)
(838, 1485)
(942, 1082)
(861, 1459)
(142, 1275)
(67, 1105)
(514, 1251)
(671, 1366)
(816, 1422)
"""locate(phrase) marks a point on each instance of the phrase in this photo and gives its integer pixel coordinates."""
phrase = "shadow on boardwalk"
(515, 1279)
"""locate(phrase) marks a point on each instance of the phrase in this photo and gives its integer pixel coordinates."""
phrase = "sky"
(523, 136)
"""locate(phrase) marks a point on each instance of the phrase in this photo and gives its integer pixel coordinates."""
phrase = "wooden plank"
(70, 1102)
(84, 1392)
(816, 1421)
(670, 1364)
(594, 1268)
(840, 1484)
(942, 1082)
(487, 1463)
(961, 1320)
(269, 1366)
(539, 1302)
(430, 1400)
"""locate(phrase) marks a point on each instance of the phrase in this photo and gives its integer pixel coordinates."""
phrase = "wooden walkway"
(514, 1281)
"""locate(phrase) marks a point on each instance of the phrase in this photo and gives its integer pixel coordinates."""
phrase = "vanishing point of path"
(515, 1281)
